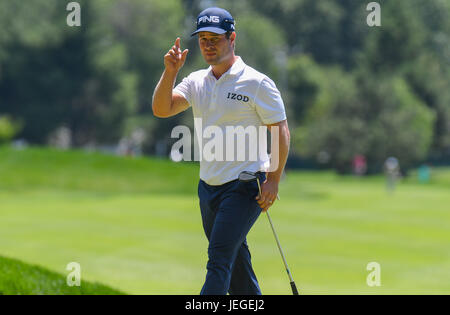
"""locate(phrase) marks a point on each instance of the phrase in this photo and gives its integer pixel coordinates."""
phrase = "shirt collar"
(237, 67)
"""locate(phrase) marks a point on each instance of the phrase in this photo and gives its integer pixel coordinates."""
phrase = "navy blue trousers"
(228, 213)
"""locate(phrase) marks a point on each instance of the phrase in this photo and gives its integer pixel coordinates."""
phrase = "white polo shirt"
(243, 97)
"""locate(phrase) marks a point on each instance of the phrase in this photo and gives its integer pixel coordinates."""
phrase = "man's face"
(215, 48)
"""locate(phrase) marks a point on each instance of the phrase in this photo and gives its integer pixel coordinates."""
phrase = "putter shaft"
(293, 286)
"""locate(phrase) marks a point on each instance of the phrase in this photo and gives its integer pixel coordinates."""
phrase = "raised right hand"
(174, 59)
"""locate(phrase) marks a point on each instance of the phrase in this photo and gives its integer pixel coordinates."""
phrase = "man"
(228, 93)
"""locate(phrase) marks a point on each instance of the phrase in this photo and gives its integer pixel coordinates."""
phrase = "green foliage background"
(349, 88)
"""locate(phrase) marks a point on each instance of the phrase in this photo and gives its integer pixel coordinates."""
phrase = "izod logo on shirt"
(238, 97)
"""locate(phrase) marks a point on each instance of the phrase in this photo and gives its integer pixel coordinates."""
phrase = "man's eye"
(212, 40)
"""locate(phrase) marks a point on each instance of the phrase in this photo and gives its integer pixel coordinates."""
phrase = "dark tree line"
(349, 89)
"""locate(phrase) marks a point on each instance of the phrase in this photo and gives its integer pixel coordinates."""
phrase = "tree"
(55, 75)
(8, 128)
(332, 32)
(383, 52)
(305, 81)
(431, 84)
(361, 116)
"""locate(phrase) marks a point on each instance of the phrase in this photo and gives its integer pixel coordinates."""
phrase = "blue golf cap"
(214, 20)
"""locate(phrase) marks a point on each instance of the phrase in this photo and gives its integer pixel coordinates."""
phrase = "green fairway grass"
(17, 277)
(134, 224)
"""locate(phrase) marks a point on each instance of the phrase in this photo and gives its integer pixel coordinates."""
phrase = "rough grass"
(87, 171)
(18, 278)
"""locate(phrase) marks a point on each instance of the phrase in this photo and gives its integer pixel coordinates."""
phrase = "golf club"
(247, 176)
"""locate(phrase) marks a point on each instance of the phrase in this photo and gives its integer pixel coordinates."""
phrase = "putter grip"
(294, 288)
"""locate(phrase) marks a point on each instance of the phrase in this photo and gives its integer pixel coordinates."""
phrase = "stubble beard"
(212, 60)
(218, 58)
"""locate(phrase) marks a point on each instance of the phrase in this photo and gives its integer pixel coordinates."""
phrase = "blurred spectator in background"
(131, 145)
(424, 173)
(392, 172)
(359, 165)
(61, 138)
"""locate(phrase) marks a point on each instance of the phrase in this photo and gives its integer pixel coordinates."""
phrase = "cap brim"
(215, 30)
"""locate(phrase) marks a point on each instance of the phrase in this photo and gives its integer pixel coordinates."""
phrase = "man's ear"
(233, 36)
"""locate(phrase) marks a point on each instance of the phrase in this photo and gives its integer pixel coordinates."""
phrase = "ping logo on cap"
(210, 19)
(215, 20)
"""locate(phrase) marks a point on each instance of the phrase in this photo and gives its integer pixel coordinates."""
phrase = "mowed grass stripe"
(133, 235)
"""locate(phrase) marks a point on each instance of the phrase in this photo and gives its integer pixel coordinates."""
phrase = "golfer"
(228, 93)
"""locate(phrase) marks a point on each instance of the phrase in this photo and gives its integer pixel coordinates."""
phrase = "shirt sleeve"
(184, 88)
(268, 103)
